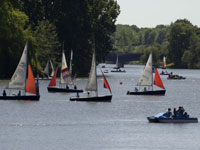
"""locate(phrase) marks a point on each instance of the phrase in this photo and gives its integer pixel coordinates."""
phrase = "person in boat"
(174, 112)
(75, 87)
(37, 87)
(88, 94)
(186, 115)
(67, 87)
(168, 114)
(19, 94)
(145, 89)
(4, 93)
(180, 111)
(77, 94)
(136, 89)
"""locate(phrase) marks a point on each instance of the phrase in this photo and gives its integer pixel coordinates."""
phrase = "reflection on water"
(56, 123)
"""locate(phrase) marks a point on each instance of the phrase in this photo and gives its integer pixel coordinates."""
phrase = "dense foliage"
(46, 24)
(180, 42)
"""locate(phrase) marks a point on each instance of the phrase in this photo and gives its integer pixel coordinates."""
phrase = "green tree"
(13, 35)
(179, 40)
(46, 45)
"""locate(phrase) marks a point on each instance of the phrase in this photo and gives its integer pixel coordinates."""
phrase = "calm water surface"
(55, 123)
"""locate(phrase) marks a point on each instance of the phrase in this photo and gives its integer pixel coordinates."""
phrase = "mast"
(95, 65)
(71, 59)
(152, 70)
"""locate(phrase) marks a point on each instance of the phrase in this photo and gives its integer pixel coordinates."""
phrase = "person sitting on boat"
(174, 112)
(67, 87)
(88, 93)
(37, 87)
(19, 94)
(168, 114)
(186, 115)
(180, 111)
(77, 95)
(145, 89)
(4, 93)
(75, 87)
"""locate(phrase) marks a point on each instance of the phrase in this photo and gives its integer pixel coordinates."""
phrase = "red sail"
(30, 84)
(157, 80)
(106, 85)
(53, 80)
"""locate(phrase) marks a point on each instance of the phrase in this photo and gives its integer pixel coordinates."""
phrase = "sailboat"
(118, 66)
(18, 81)
(164, 63)
(164, 67)
(65, 79)
(146, 80)
(92, 86)
(46, 70)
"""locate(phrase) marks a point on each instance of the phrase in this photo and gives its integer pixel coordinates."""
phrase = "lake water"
(55, 123)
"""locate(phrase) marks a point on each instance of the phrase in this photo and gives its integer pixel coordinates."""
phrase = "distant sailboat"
(65, 79)
(118, 66)
(92, 86)
(146, 80)
(46, 70)
(18, 81)
(164, 63)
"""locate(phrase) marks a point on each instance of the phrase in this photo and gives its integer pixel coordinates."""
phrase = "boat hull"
(158, 92)
(172, 120)
(106, 98)
(118, 71)
(164, 74)
(63, 90)
(24, 97)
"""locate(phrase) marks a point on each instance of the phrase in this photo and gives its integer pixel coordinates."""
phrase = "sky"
(150, 13)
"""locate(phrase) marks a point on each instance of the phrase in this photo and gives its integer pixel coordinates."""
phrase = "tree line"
(46, 24)
(179, 42)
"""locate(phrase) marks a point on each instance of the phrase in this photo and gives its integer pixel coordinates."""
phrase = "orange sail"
(106, 85)
(157, 80)
(30, 84)
(53, 80)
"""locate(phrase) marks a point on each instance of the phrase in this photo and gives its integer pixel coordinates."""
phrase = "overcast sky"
(149, 13)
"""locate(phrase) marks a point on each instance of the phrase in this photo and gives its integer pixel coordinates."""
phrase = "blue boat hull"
(172, 120)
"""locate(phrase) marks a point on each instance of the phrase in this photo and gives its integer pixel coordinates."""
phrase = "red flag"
(106, 85)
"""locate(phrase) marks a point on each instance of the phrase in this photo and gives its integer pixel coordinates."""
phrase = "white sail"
(46, 69)
(147, 78)
(52, 69)
(164, 62)
(117, 62)
(18, 80)
(65, 75)
(92, 81)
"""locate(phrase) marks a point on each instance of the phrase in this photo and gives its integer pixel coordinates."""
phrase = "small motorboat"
(164, 73)
(175, 77)
(105, 71)
(163, 118)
